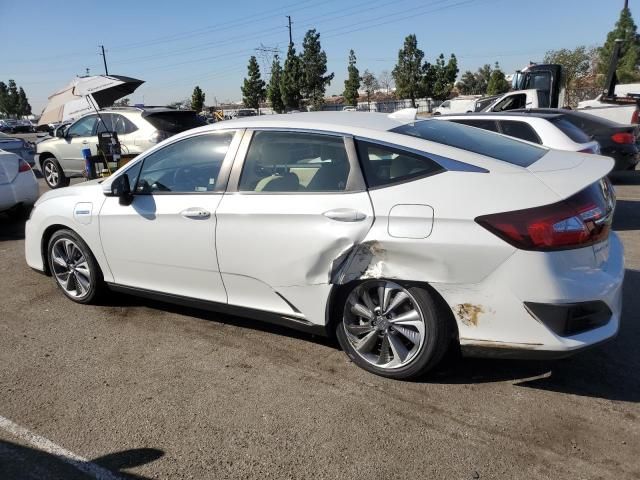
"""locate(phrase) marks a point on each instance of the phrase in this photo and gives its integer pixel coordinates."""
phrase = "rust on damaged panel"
(468, 313)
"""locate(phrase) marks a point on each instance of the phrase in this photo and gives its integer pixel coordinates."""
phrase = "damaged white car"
(401, 237)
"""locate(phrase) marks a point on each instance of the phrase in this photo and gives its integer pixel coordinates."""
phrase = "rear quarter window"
(521, 130)
(474, 140)
(570, 130)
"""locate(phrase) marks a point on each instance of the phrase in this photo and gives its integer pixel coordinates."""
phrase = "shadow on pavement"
(625, 178)
(27, 463)
(609, 371)
(627, 215)
(11, 228)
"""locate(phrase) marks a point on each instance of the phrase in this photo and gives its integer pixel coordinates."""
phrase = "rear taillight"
(624, 138)
(635, 117)
(579, 221)
(23, 166)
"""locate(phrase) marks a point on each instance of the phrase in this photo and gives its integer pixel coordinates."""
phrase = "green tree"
(4, 93)
(576, 64)
(625, 29)
(13, 99)
(352, 83)
(314, 69)
(443, 75)
(475, 83)
(253, 90)
(274, 92)
(497, 83)
(197, 99)
(370, 84)
(409, 71)
(24, 108)
(291, 85)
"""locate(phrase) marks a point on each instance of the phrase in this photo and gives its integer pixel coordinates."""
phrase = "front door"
(289, 219)
(165, 240)
(82, 133)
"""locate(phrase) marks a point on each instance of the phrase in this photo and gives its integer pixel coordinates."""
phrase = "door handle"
(195, 213)
(345, 215)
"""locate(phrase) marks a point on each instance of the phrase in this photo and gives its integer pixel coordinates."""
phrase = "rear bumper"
(494, 320)
(22, 191)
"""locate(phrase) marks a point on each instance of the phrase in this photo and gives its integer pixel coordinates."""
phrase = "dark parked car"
(618, 141)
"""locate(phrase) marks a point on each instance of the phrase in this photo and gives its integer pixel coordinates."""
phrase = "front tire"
(74, 267)
(393, 330)
(53, 174)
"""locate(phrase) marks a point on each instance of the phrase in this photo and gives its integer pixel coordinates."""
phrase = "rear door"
(295, 206)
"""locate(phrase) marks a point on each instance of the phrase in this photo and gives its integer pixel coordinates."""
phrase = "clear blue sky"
(177, 45)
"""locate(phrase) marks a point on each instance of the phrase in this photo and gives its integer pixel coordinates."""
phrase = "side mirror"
(121, 188)
(60, 132)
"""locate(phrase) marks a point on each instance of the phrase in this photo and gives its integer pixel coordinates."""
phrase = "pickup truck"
(527, 99)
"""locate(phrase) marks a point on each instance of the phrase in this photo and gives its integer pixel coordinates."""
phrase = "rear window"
(570, 130)
(474, 140)
(174, 122)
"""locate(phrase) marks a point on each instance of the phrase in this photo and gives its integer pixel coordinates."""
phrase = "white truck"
(540, 86)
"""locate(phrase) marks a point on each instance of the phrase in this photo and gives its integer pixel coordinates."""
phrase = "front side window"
(84, 127)
(520, 130)
(295, 162)
(512, 102)
(191, 165)
(384, 165)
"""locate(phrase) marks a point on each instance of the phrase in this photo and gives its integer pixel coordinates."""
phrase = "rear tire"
(53, 174)
(392, 330)
(74, 268)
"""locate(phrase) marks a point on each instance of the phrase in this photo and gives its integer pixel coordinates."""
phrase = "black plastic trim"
(269, 317)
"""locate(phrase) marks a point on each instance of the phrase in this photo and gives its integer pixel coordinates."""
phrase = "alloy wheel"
(51, 173)
(70, 267)
(383, 323)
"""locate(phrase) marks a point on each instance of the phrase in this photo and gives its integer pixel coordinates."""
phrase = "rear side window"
(474, 140)
(570, 130)
(483, 124)
(384, 165)
(520, 130)
(295, 162)
(174, 122)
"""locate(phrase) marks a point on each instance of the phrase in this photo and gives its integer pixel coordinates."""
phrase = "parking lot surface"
(140, 389)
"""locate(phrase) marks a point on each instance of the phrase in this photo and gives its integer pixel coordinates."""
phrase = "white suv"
(60, 158)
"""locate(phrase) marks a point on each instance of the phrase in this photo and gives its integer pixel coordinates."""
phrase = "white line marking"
(64, 455)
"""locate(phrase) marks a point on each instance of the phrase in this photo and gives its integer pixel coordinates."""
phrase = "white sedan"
(18, 185)
(549, 129)
(401, 237)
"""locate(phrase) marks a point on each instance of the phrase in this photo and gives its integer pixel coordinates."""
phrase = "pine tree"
(291, 84)
(625, 29)
(370, 84)
(314, 69)
(409, 72)
(4, 94)
(497, 83)
(197, 99)
(274, 93)
(253, 90)
(352, 83)
(24, 108)
(444, 77)
(13, 99)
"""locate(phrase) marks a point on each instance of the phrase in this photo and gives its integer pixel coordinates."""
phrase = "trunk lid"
(9, 164)
(567, 173)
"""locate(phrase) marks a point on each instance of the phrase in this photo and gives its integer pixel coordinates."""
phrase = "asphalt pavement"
(139, 389)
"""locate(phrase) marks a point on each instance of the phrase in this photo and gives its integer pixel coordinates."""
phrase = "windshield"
(174, 122)
(474, 140)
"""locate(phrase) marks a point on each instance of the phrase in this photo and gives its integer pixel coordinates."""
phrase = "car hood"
(80, 189)
(567, 173)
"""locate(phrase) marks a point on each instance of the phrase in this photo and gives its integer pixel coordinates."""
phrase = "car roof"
(339, 121)
(504, 115)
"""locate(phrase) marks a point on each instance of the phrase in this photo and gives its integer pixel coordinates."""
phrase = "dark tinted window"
(520, 130)
(295, 162)
(474, 140)
(174, 122)
(570, 130)
(384, 165)
(483, 124)
(187, 166)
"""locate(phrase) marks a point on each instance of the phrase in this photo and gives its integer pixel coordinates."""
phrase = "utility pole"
(104, 59)
(290, 36)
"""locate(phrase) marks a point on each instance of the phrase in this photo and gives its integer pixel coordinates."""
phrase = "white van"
(462, 104)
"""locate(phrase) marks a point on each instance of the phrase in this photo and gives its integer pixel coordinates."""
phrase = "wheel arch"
(339, 291)
(43, 156)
